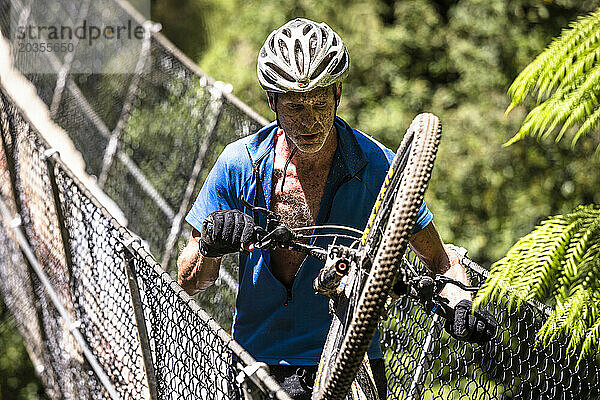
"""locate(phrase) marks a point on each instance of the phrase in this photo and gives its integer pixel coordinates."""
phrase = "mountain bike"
(359, 277)
(375, 266)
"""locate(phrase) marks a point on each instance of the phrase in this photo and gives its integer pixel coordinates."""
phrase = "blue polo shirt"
(272, 327)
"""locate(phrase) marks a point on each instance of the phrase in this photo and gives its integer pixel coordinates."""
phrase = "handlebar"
(337, 259)
(427, 290)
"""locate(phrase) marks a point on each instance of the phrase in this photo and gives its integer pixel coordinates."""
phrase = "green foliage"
(18, 380)
(186, 23)
(558, 263)
(566, 77)
(453, 58)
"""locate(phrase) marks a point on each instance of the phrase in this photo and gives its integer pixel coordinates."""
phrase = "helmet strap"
(336, 100)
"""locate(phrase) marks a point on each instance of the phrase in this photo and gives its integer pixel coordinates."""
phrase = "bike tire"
(386, 237)
(342, 309)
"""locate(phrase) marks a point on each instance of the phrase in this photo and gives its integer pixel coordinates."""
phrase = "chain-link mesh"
(59, 358)
(180, 348)
(100, 290)
(179, 333)
(164, 116)
(165, 97)
(424, 362)
(158, 113)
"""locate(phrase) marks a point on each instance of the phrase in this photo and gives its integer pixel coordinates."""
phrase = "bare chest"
(297, 199)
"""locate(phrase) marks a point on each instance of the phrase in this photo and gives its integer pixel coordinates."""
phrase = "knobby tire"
(400, 198)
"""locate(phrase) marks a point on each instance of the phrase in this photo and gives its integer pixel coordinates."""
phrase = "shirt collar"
(351, 152)
(261, 143)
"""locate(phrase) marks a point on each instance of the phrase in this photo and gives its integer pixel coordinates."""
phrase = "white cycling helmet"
(300, 56)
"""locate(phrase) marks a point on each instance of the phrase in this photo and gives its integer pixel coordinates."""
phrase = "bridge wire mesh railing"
(149, 337)
(149, 134)
(99, 316)
(424, 362)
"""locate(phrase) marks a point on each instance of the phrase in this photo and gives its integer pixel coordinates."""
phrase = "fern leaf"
(589, 124)
(566, 77)
(551, 62)
(591, 341)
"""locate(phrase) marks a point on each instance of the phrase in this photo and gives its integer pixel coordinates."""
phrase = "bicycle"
(359, 277)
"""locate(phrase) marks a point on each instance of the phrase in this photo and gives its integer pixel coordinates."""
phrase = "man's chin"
(313, 147)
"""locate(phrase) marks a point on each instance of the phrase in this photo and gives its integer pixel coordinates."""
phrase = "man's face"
(307, 118)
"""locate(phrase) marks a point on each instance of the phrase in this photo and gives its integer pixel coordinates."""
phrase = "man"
(312, 168)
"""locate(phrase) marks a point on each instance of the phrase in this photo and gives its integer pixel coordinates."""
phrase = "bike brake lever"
(444, 280)
(259, 235)
(281, 235)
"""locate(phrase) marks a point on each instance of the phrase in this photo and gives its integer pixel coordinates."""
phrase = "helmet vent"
(322, 66)
(299, 55)
(312, 45)
(284, 51)
(306, 29)
(268, 78)
(340, 66)
(272, 44)
(281, 72)
(287, 32)
(324, 36)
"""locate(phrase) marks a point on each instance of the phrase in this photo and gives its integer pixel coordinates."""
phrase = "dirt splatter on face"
(307, 118)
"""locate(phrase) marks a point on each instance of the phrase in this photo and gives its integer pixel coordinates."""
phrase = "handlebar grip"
(444, 310)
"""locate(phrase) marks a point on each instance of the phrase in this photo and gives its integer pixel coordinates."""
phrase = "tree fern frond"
(544, 253)
(569, 45)
(589, 269)
(567, 79)
(559, 261)
(573, 118)
(548, 331)
(588, 85)
(551, 328)
(555, 110)
(573, 102)
(581, 58)
(578, 331)
(572, 43)
(590, 123)
(574, 67)
(529, 268)
(523, 131)
(497, 287)
(578, 247)
(591, 341)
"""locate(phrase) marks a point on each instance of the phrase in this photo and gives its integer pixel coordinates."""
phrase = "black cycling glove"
(479, 327)
(225, 231)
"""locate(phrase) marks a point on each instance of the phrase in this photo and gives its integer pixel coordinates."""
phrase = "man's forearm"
(428, 245)
(194, 271)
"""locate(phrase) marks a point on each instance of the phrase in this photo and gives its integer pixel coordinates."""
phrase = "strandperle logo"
(96, 37)
(85, 31)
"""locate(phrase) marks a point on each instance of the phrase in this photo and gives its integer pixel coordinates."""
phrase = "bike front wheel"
(383, 244)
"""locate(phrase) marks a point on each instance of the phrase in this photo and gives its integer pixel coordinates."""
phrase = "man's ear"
(272, 97)
(338, 96)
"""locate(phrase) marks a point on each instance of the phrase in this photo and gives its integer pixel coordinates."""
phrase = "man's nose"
(310, 113)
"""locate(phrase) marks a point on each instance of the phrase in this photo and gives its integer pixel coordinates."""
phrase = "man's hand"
(226, 231)
(479, 327)
(455, 270)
